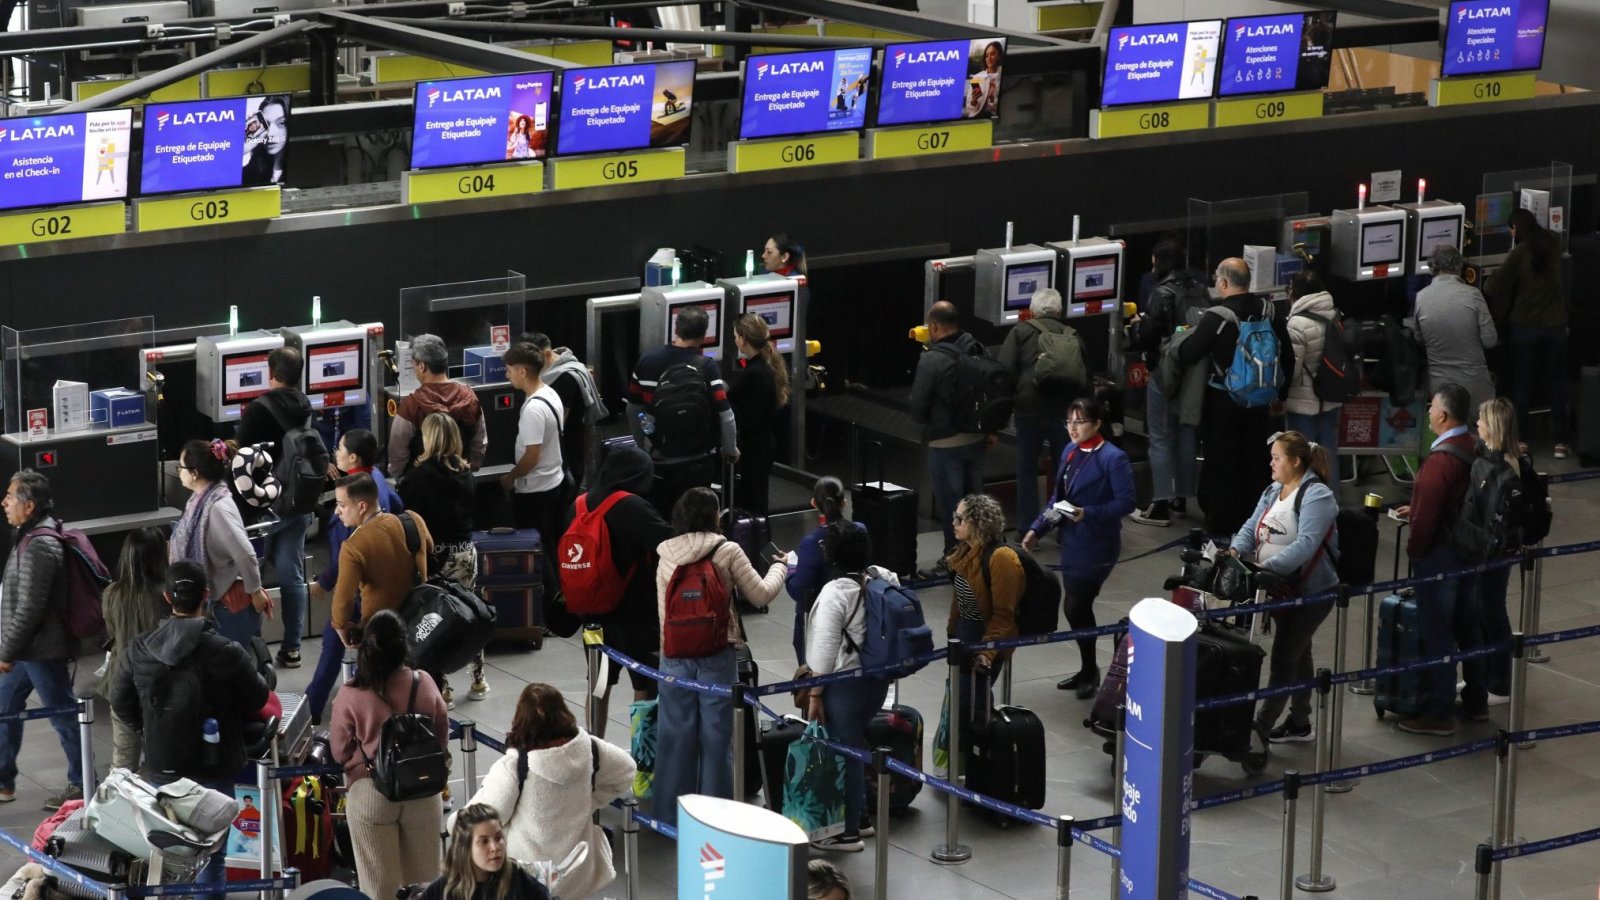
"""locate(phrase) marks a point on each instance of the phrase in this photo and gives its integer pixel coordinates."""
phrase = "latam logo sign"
(1257, 31)
(714, 867)
(603, 82)
(194, 117)
(1487, 12)
(800, 67)
(1147, 40)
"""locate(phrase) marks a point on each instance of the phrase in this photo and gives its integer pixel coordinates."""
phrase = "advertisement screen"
(1494, 36)
(202, 144)
(713, 335)
(1094, 278)
(468, 121)
(1380, 243)
(1023, 280)
(941, 81)
(776, 312)
(1268, 54)
(73, 158)
(1446, 231)
(633, 107)
(798, 93)
(333, 367)
(244, 376)
(1161, 63)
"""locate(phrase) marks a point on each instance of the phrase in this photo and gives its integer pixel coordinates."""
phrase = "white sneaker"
(1499, 699)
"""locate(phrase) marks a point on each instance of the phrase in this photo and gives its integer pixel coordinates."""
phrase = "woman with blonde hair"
(1497, 429)
(758, 391)
(440, 490)
(476, 866)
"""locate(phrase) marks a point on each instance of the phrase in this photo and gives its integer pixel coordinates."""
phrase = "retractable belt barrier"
(65, 872)
(47, 712)
(1565, 477)
(1533, 848)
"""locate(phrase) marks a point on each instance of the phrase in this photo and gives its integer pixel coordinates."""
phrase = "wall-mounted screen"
(198, 145)
(800, 93)
(633, 107)
(1094, 277)
(1493, 36)
(73, 158)
(333, 367)
(244, 376)
(1381, 243)
(1161, 63)
(940, 81)
(469, 121)
(1494, 212)
(1269, 54)
(1022, 280)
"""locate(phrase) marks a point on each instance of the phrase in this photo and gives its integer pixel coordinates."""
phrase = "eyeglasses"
(184, 468)
(957, 518)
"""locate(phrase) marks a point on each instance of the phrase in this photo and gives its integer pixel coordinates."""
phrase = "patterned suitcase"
(511, 579)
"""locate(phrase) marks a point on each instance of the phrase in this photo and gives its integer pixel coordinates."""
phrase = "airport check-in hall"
(536, 218)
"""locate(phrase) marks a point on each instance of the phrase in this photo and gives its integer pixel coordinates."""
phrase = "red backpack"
(590, 581)
(695, 621)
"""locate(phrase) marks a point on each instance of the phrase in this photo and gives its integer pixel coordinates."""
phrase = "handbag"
(813, 789)
(642, 724)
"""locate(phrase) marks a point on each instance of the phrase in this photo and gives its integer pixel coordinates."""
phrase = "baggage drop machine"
(780, 302)
(1430, 223)
(659, 307)
(1369, 243)
(342, 373)
(1089, 276)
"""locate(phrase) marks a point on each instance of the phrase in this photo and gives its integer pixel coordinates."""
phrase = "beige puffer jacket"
(1306, 337)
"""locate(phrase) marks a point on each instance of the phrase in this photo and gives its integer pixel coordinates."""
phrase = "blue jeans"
(694, 747)
(847, 710)
(1540, 355)
(954, 473)
(1321, 428)
(1033, 434)
(239, 627)
(286, 547)
(329, 663)
(52, 678)
(1173, 447)
(1436, 617)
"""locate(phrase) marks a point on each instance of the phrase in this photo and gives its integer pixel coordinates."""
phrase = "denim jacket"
(1319, 512)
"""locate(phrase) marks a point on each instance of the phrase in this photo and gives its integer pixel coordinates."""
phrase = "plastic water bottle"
(647, 423)
(350, 662)
(212, 751)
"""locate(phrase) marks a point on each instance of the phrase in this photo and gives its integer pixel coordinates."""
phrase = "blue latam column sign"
(731, 851)
(73, 158)
(1484, 36)
(1158, 754)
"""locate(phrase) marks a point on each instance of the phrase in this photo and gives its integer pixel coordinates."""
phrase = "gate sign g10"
(941, 81)
(632, 107)
(467, 121)
(1270, 54)
(1161, 63)
(73, 158)
(1489, 36)
(797, 93)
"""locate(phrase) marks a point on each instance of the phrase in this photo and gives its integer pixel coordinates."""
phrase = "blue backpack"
(1253, 378)
(896, 630)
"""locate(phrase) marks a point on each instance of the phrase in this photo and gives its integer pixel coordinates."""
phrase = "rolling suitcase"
(751, 532)
(1399, 640)
(511, 574)
(77, 845)
(1007, 759)
(1226, 662)
(898, 727)
(749, 676)
(889, 513)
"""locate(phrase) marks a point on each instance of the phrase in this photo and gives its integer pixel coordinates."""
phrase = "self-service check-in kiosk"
(230, 371)
(659, 307)
(1006, 279)
(336, 358)
(1089, 275)
(776, 299)
(1369, 244)
(1311, 235)
(1430, 223)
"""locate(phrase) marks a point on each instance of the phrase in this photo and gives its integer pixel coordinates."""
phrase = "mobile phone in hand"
(770, 552)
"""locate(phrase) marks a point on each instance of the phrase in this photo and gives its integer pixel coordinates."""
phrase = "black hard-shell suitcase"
(889, 513)
(1226, 662)
(898, 727)
(1589, 416)
(1007, 759)
(749, 676)
(750, 531)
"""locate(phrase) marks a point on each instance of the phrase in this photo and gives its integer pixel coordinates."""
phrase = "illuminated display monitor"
(1492, 36)
(1022, 280)
(1161, 63)
(1095, 277)
(199, 145)
(333, 367)
(1382, 243)
(802, 93)
(470, 121)
(1275, 54)
(630, 107)
(71, 158)
(244, 376)
(713, 326)
(941, 81)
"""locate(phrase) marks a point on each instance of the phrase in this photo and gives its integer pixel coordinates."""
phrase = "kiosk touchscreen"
(1007, 278)
(775, 298)
(659, 308)
(1091, 276)
(1429, 224)
(335, 355)
(1312, 235)
(230, 371)
(1369, 244)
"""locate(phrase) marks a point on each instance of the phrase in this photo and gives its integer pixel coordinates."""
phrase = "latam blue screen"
(940, 81)
(203, 144)
(465, 121)
(1268, 54)
(633, 107)
(1161, 63)
(1494, 36)
(49, 160)
(797, 93)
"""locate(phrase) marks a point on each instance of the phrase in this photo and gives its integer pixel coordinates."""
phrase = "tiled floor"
(1408, 834)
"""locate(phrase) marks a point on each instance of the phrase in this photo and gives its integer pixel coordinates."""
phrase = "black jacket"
(934, 387)
(442, 498)
(753, 393)
(635, 529)
(258, 425)
(234, 694)
(1018, 354)
(1165, 311)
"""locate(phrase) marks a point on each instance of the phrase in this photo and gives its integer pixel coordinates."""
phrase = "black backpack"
(685, 424)
(1356, 560)
(411, 763)
(175, 703)
(985, 391)
(1490, 522)
(1399, 369)
(302, 467)
(1039, 609)
(1336, 377)
(1536, 515)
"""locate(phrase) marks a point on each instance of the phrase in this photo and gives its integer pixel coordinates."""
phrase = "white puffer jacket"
(1306, 337)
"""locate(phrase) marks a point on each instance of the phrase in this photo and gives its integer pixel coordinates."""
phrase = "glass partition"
(1547, 191)
(99, 355)
(1219, 229)
(467, 315)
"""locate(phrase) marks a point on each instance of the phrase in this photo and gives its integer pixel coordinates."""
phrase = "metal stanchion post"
(293, 874)
(1063, 856)
(269, 838)
(86, 739)
(1116, 809)
(951, 851)
(1315, 881)
(1336, 730)
(1537, 654)
(116, 892)
(740, 714)
(1482, 863)
(880, 846)
(1372, 504)
(1519, 696)
(469, 755)
(1291, 799)
(593, 638)
(630, 845)
(1502, 794)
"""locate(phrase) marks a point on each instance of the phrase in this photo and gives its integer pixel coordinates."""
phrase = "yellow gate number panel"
(625, 168)
(195, 210)
(468, 184)
(63, 223)
(1106, 123)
